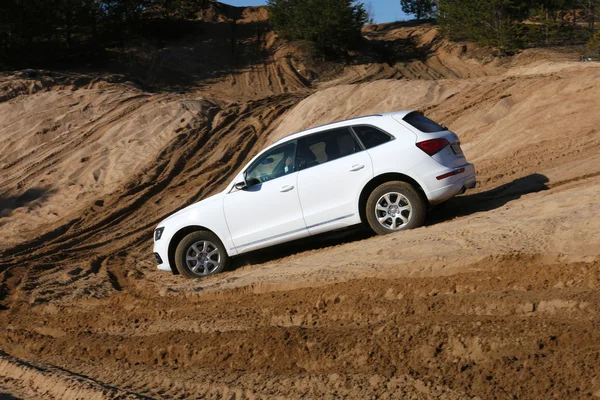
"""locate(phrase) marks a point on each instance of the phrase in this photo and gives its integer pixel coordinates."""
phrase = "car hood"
(196, 207)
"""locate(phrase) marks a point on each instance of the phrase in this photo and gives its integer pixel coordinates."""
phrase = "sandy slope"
(497, 297)
(69, 147)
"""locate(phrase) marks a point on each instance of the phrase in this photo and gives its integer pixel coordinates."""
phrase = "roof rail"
(330, 123)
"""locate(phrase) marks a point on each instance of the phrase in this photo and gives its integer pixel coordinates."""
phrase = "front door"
(268, 211)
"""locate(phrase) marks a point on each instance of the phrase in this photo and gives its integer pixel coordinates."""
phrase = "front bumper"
(161, 254)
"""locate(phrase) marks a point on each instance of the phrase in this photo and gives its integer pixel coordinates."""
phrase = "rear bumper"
(454, 185)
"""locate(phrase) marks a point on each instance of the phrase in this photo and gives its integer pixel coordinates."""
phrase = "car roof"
(366, 119)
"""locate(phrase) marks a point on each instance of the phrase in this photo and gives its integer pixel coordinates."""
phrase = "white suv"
(381, 170)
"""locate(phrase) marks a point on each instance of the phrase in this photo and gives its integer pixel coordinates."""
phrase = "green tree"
(179, 9)
(332, 25)
(125, 11)
(419, 8)
(545, 27)
(593, 45)
(495, 23)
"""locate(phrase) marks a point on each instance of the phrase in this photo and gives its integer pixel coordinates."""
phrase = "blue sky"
(384, 10)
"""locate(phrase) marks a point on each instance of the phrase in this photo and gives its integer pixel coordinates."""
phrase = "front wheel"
(200, 254)
(395, 206)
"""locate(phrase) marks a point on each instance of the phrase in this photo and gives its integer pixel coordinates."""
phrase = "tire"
(404, 208)
(207, 255)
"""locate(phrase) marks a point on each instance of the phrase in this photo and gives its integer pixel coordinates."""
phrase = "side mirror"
(246, 184)
(240, 185)
(252, 182)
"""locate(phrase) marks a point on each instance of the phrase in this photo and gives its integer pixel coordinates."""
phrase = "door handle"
(286, 188)
(357, 167)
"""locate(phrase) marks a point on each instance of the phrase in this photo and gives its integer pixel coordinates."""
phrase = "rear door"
(333, 169)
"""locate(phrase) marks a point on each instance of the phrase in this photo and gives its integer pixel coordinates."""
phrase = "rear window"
(423, 123)
(325, 146)
(370, 136)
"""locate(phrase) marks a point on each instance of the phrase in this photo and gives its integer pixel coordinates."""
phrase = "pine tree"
(495, 23)
(332, 25)
(419, 8)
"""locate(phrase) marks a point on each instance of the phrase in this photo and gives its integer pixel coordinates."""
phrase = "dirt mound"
(242, 58)
(75, 173)
(64, 149)
(497, 296)
(408, 51)
(230, 54)
(479, 333)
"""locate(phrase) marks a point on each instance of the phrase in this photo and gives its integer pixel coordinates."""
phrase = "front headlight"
(158, 234)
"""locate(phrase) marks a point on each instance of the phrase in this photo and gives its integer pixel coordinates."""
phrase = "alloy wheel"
(393, 211)
(203, 258)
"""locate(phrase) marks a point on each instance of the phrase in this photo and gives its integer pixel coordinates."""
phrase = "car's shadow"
(459, 206)
(316, 242)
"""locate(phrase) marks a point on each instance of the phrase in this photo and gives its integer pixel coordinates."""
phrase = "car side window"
(326, 146)
(371, 136)
(276, 162)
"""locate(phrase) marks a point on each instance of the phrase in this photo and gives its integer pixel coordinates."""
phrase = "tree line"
(512, 24)
(53, 28)
(507, 25)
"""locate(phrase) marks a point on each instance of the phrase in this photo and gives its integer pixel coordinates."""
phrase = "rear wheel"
(200, 254)
(395, 206)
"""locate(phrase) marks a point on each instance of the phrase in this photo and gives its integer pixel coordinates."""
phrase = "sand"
(496, 297)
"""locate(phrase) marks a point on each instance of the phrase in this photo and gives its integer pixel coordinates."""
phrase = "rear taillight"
(433, 146)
